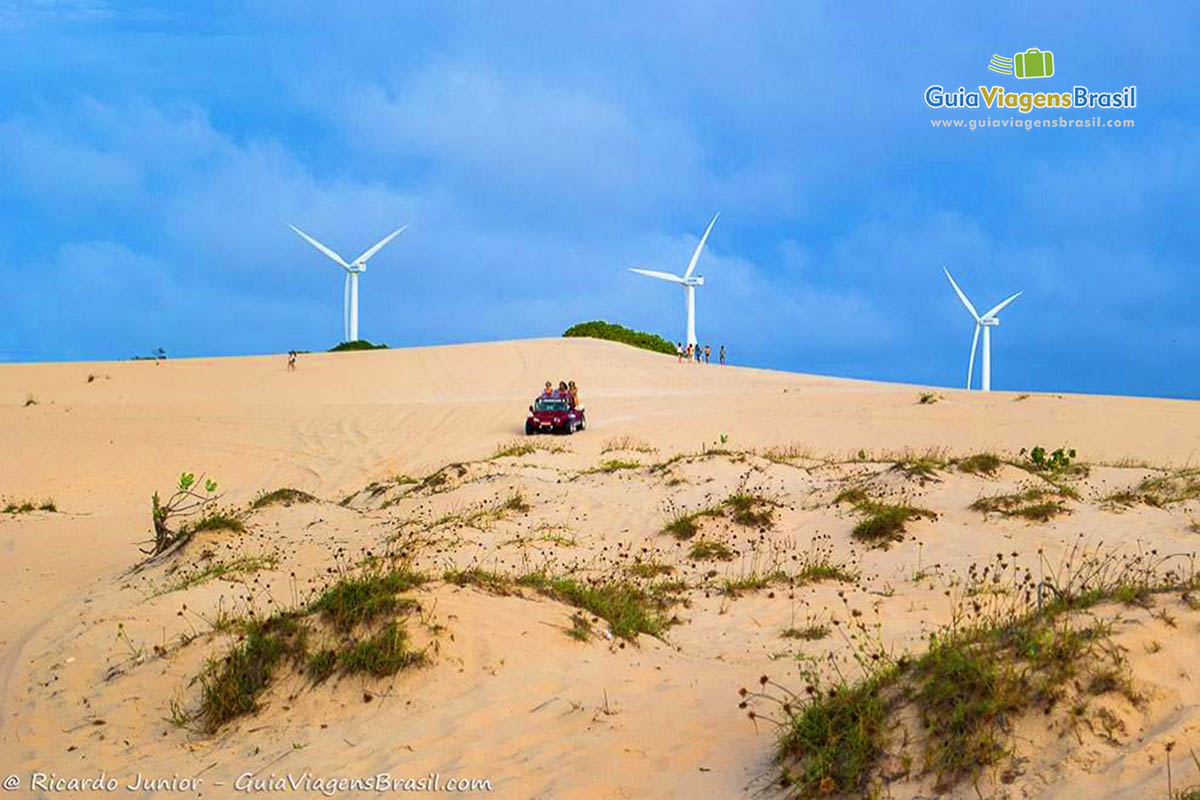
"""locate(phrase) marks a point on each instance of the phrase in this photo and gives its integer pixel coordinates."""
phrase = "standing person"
(679, 351)
(687, 353)
(699, 352)
(722, 355)
(708, 354)
(291, 361)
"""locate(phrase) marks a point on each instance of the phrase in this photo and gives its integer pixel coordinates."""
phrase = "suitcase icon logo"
(1033, 63)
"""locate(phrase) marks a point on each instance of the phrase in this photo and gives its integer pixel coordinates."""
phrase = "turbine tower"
(985, 322)
(686, 280)
(353, 270)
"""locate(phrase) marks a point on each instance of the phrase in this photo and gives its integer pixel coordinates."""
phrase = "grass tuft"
(356, 600)
(980, 464)
(285, 496)
(707, 550)
(384, 653)
(1036, 505)
(628, 609)
(231, 686)
(29, 506)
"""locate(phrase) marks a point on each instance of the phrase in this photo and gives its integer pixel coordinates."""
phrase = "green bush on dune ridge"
(599, 329)
(357, 344)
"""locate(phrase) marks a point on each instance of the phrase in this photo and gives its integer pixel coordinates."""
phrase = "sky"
(153, 155)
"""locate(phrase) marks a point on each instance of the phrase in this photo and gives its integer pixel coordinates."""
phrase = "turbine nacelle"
(696, 281)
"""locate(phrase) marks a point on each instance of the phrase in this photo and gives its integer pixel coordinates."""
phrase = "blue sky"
(154, 153)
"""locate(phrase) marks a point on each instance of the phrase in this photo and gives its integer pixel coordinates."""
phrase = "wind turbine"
(686, 280)
(985, 322)
(353, 270)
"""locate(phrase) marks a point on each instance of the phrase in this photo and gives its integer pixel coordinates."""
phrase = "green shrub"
(357, 344)
(598, 329)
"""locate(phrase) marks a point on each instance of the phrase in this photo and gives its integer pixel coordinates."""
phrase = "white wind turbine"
(985, 322)
(353, 270)
(687, 281)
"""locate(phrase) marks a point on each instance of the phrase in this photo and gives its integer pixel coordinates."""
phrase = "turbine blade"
(379, 245)
(961, 296)
(662, 276)
(320, 247)
(971, 363)
(699, 247)
(1000, 306)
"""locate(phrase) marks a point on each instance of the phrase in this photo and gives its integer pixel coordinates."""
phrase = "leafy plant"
(191, 497)
(1055, 461)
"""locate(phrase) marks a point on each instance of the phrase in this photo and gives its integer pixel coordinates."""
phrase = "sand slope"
(507, 695)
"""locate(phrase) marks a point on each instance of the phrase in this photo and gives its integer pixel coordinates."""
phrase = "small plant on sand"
(321, 664)
(611, 465)
(384, 653)
(359, 599)
(980, 464)
(223, 570)
(487, 580)
(808, 633)
(1059, 460)
(707, 550)
(285, 496)
(882, 523)
(928, 398)
(626, 443)
(217, 521)
(683, 525)
(1035, 505)
(750, 510)
(30, 400)
(581, 628)
(1160, 490)
(649, 569)
(628, 609)
(524, 447)
(191, 497)
(230, 686)
(29, 506)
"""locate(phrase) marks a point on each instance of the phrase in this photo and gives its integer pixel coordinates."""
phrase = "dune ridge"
(416, 455)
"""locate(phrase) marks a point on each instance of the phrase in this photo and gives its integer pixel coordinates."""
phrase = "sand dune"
(95, 655)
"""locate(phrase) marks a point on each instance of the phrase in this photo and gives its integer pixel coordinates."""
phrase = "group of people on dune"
(697, 353)
(566, 391)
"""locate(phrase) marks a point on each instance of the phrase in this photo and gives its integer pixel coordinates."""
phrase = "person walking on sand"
(708, 354)
(699, 352)
(722, 355)
(291, 362)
